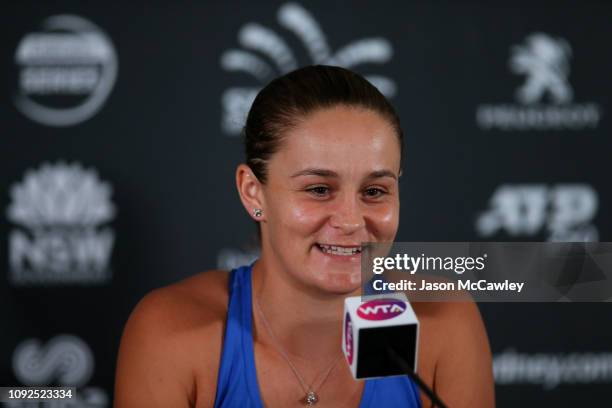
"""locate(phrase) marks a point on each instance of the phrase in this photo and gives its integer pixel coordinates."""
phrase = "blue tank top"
(237, 380)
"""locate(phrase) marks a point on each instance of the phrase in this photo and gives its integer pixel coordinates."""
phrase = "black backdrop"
(138, 191)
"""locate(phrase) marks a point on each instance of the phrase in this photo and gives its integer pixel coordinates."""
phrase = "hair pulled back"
(286, 100)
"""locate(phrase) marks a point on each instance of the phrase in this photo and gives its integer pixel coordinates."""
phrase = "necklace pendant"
(311, 398)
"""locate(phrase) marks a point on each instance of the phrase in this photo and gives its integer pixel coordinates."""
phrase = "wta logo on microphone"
(381, 309)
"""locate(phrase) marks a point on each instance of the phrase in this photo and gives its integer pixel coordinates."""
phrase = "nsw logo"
(62, 212)
(381, 309)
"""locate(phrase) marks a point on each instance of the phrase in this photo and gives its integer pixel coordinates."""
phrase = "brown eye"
(374, 192)
(319, 191)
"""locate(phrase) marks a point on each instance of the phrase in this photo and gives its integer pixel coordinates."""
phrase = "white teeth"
(336, 250)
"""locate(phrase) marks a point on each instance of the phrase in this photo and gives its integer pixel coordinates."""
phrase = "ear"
(250, 191)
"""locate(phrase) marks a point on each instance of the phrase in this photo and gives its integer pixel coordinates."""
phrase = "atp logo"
(65, 360)
(545, 97)
(381, 309)
(60, 209)
(563, 212)
(545, 62)
(257, 40)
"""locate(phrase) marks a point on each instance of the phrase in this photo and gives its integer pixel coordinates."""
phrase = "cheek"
(301, 216)
(383, 220)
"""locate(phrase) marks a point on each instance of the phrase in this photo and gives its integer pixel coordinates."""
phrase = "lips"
(342, 250)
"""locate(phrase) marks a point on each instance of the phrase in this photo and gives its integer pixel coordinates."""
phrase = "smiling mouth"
(339, 250)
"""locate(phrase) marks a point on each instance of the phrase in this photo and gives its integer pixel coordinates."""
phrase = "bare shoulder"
(172, 342)
(445, 315)
(445, 326)
(453, 342)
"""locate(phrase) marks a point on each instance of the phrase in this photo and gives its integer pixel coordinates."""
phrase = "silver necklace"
(311, 397)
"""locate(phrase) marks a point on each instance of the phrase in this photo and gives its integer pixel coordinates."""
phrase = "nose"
(348, 216)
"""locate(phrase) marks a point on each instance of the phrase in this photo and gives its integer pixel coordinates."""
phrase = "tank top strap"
(237, 377)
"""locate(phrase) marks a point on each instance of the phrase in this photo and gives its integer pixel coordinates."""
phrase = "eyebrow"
(330, 173)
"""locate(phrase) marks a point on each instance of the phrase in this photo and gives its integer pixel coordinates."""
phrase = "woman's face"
(332, 185)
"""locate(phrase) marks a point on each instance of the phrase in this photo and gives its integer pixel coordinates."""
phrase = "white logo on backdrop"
(60, 208)
(66, 71)
(551, 370)
(65, 361)
(229, 258)
(545, 63)
(563, 212)
(546, 95)
(256, 38)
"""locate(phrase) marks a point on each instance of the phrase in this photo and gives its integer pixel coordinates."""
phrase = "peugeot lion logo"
(237, 101)
(544, 101)
(545, 62)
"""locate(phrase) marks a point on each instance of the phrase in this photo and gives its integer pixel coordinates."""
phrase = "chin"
(340, 282)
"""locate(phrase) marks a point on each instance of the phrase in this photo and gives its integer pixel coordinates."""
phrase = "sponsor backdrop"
(120, 136)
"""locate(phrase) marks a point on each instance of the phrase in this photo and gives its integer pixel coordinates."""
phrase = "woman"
(323, 151)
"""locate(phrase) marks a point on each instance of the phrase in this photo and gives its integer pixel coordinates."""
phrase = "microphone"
(380, 339)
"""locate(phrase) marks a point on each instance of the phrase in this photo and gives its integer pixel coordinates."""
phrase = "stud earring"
(257, 212)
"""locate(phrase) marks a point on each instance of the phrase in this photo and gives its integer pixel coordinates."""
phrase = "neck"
(306, 322)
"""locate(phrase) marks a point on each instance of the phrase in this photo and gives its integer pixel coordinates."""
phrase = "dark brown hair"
(288, 99)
